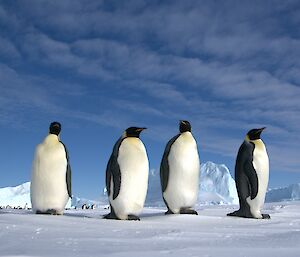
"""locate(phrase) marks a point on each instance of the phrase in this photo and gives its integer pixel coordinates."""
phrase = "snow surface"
(211, 233)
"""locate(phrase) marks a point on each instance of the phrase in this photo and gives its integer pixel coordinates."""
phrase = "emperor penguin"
(51, 175)
(127, 176)
(179, 172)
(252, 176)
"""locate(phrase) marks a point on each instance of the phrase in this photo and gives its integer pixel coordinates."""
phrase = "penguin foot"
(53, 212)
(48, 212)
(266, 216)
(169, 212)
(110, 216)
(188, 211)
(133, 217)
(240, 214)
(233, 214)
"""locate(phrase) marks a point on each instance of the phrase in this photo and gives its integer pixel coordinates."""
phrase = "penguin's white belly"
(48, 183)
(184, 166)
(261, 165)
(134, 168)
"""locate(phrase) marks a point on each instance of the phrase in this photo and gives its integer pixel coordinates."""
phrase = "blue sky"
(99, 67)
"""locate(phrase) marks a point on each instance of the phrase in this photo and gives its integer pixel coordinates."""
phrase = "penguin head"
(184, 126)
(254, 134)
(133, 132)
(55, 128)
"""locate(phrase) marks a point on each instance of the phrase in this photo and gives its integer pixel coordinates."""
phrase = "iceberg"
(289, 193)
(216, 186)
(15, 197)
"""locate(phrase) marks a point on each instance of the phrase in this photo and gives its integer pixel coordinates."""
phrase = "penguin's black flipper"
(164, 166)
(69, 180)
(113, 171)
(251, 173)
(108, 176)
(69, 173)
(245, 174)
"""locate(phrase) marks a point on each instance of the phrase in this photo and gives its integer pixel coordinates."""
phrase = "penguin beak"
(261, 129)
(140, 129)
(258, 132)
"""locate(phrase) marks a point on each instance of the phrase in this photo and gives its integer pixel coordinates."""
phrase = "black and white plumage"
(252, 176)
(179, 172)
(127, 176)
(51, 175)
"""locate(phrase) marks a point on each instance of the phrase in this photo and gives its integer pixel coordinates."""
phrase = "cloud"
(227, 67)
(138, 107)
(21, 94)
(8, 50)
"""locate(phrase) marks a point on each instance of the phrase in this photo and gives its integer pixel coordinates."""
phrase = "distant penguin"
(51, 175)
(179, 172)
(252, 176)
(127, 176)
